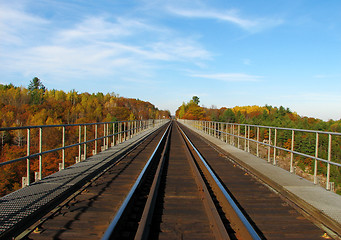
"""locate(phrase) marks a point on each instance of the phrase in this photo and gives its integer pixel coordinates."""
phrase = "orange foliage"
(57, 107)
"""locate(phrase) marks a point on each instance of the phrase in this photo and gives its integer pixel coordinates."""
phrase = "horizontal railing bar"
(279, 128)
(66, 147)
(62, 125)
(269, 145)
(284, 149)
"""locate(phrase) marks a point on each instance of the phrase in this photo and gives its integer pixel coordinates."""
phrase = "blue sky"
(228, 53)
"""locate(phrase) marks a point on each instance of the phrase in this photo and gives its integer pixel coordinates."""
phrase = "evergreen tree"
(36, 90)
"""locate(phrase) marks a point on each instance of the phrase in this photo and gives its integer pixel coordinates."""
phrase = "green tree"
(37, 91)
(36, 84)
(228, 116)
(196, 100)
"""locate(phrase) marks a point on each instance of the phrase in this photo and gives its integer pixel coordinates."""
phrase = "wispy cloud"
(246, 61)
(180, 49)
(96, 46)
(231, 16)
(230, 77)
(16, 24)
(101, 28)
(326, 76)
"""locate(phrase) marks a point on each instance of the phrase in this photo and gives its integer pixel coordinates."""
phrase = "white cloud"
(179, 49)
(246, 61)
(16, 25)
(231, 16)
(326, 76)
(100, 28)
(230, 77)
(96, 46)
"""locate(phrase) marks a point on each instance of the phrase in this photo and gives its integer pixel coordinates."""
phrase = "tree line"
(36, 105)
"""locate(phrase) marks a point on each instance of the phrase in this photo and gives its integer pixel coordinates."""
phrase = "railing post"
(275, 144)
(238, 139)
(257, 141)
(28, 169)
(229, 130)
(248, 138)
(107, 146)
(245, 138)
(113, 134)
(135, 130)
(221, 132)
(125, 131)
(119, 132)
(329, 159)
(269, 148)
(104, 138)
(63, 150)
(96, 135)
(226, 135)
(40, 156)
(85, 142)
(292, 149)
(316, 156)
(79, 141)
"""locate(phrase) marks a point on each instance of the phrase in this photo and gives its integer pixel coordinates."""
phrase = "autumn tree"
(36, 105)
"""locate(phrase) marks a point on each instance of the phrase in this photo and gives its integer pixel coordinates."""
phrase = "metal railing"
(72, 135)
(271, 138)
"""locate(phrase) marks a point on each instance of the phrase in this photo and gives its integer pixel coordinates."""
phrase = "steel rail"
(216, 222)
(122, 208)
(254, 235)
(147, 215)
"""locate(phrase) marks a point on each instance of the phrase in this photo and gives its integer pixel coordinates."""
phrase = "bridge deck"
(37, 198)
(325, 206)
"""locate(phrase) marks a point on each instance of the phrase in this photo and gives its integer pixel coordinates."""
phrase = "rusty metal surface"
(274, 217)
(183, 215)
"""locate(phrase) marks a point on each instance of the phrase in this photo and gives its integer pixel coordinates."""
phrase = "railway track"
(175, 186)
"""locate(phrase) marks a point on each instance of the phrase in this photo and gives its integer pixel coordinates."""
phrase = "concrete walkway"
(324, 206)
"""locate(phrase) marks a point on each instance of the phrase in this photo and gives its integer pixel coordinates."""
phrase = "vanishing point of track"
(174, 185)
